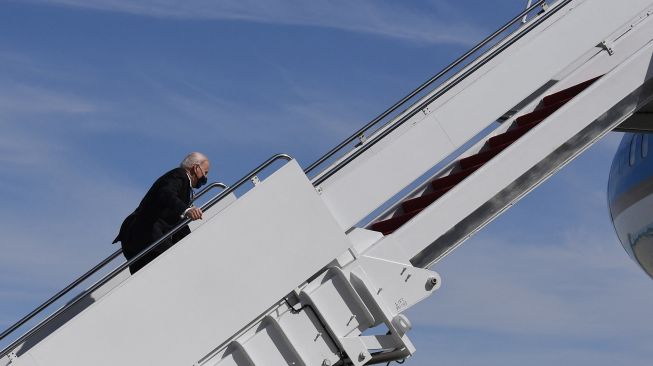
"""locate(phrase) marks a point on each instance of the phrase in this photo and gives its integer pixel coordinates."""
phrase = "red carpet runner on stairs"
(468, 165)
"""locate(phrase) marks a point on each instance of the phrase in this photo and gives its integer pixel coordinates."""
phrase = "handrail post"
(523, 21)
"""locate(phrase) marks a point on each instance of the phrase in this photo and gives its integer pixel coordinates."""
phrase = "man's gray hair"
(192, 159)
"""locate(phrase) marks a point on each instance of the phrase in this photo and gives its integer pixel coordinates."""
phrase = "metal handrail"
(369, 143)
(120, 268)
(420, 88)
(84, 277)
(208, 188)
(526, 16)
(59, 294)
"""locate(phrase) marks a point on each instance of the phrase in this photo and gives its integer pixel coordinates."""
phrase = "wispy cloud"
(17, 151)
(297, 117)
(60, 210)
(477, 348)
(24, 98)
(528, 290)
(382, 18)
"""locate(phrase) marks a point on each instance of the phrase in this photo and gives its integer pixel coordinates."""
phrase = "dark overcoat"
(159, 211)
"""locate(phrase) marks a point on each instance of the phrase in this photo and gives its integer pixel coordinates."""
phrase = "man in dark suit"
(166, 203)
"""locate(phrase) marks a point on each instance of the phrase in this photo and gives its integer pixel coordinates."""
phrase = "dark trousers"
(131, 249)
(140, 235)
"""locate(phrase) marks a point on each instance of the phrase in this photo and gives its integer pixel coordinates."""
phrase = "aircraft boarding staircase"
(468, 165)
(318, 271)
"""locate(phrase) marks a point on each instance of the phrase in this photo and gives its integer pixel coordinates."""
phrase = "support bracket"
(388, 288)
(608, 46)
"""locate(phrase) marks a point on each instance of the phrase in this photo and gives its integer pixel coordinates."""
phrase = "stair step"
(424, 200)
(511, 135)
(415, 205)
(539, 114)
(388, 226)
(568, 93)
(453, 179)
(310, 350)
(482, 157)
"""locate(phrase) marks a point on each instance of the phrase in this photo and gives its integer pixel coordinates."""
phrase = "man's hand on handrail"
(193, 213)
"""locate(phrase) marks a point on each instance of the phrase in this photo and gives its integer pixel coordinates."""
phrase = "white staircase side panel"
(404, 155)
(586, 25)
(491, 179)
(87, 300)
(267, 348)
(234, 359)
(211, 212)
(385, 172)
(313, 348)
(203, 290)
(23, 361)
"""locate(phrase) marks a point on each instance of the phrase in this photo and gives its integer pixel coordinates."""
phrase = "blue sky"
(98, 98)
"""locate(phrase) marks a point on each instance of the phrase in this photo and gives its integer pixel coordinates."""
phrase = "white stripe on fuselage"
(634, 223)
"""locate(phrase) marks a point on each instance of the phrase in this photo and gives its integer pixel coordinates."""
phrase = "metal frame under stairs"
(321, 322)
(330, 287)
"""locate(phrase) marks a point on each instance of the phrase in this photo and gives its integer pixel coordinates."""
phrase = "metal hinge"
(608, 46)
(11, 357)
(361, 140)
(545, 6)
